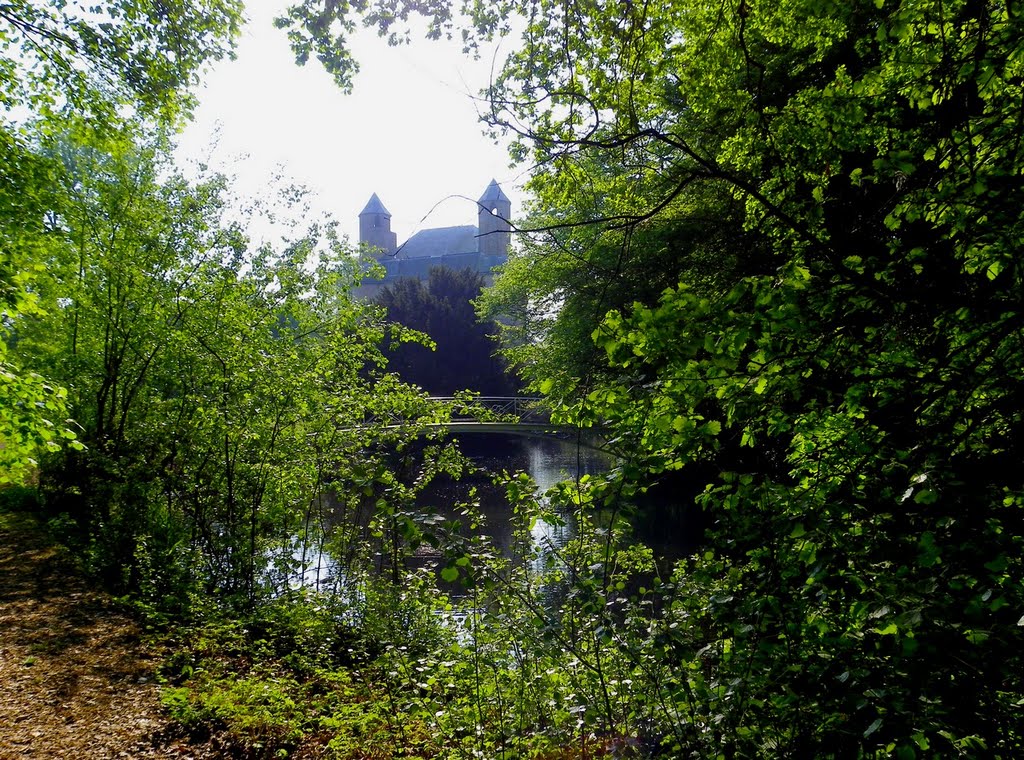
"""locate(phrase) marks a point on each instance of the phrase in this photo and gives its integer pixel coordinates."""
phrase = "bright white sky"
(408, 132)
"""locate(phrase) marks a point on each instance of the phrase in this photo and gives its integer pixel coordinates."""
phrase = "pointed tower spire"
(374, 206)
(493, 220)
(375, 226)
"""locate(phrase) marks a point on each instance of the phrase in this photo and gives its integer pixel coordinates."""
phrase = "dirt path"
(76, 680)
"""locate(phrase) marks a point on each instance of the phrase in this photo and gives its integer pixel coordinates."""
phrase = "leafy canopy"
(61, 61)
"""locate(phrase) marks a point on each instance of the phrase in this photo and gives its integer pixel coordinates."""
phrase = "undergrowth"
(291, 674)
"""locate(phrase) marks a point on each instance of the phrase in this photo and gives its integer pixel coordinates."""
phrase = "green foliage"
(566, 277)
(129, 52)
(17, 499)
(257, 712)
(844, 389)
(791, 233)
(275, 681)
(218, 389)
(32, 410)
(58, 62)
(30, 405)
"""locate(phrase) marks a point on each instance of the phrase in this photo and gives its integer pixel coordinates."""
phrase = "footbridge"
(495, 410)
(524, 416)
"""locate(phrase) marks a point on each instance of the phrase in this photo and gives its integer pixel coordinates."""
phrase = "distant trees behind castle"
(441, 307)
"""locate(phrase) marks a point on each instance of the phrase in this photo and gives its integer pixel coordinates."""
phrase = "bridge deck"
(523, 416)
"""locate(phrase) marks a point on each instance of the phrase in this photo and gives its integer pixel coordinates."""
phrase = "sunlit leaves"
(94, 59)
(59, 61)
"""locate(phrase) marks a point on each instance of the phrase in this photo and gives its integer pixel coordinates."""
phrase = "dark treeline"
(464, 355)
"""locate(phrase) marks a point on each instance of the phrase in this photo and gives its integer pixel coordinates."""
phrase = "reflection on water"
(314, 565)
(547, 461)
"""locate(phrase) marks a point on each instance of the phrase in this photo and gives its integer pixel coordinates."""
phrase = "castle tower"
(375, 227)
(494, 215)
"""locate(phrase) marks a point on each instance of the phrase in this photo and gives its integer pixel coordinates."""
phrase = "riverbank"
(305, 674)
(79, 679)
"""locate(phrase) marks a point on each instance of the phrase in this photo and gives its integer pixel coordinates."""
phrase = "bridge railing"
(513, 409)
(515, 415)
(522, 408)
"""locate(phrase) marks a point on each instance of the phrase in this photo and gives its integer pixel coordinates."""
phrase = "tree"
(567, 275)
(462, 356)
(220, 390)
(128, 53)
(855, 386)
(32, 412)
(56, 61)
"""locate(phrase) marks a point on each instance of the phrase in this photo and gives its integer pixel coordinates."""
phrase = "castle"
(481, 248)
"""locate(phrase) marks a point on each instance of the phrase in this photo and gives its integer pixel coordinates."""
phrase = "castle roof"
(374, 206)
(440, 241)
(493, 194)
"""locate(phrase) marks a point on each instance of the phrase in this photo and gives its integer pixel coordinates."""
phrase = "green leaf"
(926, 496)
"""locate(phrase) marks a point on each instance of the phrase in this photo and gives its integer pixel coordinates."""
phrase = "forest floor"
(76, 674)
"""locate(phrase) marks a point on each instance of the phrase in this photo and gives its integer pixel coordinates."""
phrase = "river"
(547, 461)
